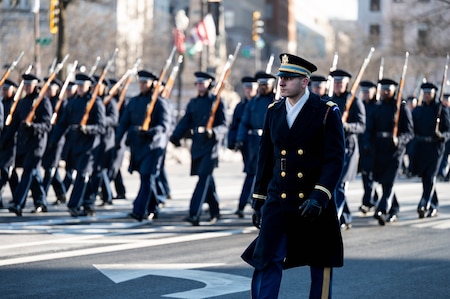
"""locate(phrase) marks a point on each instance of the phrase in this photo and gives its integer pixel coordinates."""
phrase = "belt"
(198, 130)
(384, 134)
(257, 132)
(424, 138)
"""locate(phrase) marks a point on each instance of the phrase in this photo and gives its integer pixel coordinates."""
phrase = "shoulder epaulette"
(271, 105)
(331, 103)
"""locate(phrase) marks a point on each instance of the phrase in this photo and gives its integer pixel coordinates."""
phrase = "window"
(422, 34)
(374, 5)
(374, 34)
(398, 42)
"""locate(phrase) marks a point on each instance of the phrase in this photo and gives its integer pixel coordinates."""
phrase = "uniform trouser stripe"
(326, 283)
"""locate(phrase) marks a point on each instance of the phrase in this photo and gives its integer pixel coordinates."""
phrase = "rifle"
(37, 102)
(441, 94)
(330, 80)
(62, 92)
(10, 69)
(419, 91)
(94, 67)
(17, 97)
(173, 75)
(91, 102)
(220, 85)
(399, 97)
(156, 91)
(116, 86)
(269, 64)
(355, 85)
(380, 76)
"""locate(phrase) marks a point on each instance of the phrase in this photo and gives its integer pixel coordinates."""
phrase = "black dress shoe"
(1, 204)
(392, 218)
(381, 217)
(213, 219)
(40, 209)
(365, 209)
(106, 203)
(421, 211)
(239, 213)
(87, 212)
(135, 216)
(15, 209)
(120, 196)
(432, 213)
(74, 212)
(60, 199)
(193, 220)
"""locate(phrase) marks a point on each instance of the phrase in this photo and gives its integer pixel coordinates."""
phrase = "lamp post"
(181, 24)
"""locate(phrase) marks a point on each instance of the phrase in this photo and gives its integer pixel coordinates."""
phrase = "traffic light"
(258, 26)
(54, 16)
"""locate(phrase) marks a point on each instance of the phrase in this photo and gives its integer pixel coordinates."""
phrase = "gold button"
(283, 152)
(301, 195)
(300, 175)
(283, 195)
(283, 174)
(300, 152)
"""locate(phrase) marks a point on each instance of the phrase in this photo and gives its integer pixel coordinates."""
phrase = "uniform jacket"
(52, 155)
(144, 145)
(31, 141)
(387, 156)
(236, 120)
(356, 123)
(295, 164)
(251, 127)
(204, 150)
(366, 152)
(428, 150)
(8, 150)
(79, 143)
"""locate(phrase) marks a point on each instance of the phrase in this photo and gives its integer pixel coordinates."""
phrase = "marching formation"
(88, 122)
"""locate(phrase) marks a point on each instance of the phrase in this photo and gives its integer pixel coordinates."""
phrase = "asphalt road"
(53, 255)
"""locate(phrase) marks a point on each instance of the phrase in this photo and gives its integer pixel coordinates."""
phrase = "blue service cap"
(54, 81)
(9, 83)
(365, 84)
(387, 83)
(340, 75)
(428, 86)
(203, 76)
(145, 75)
(294, 66)
(81, 78)
(30, 78)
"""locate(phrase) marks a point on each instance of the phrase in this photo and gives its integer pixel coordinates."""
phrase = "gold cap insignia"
(284, 59)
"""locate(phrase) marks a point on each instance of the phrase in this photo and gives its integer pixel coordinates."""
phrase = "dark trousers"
(429, 196)
(343, 212)
(370, 196)
(145, 201)
(52, 177)
(118, 184)
(388, 202)
(266, 282)
(77, 197)
(8, 175)
(205, 191)
(247, 190)
(31, 179)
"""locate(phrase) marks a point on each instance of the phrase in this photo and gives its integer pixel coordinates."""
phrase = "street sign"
(44, 41)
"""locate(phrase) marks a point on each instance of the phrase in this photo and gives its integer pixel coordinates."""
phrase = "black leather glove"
(311, 208)
(256, 217)
(27, 126)
(438, 136)
(238, 145)
(146, 134)
(175, 141)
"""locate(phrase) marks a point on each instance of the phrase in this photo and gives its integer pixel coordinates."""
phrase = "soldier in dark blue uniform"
(251, 128)
(81, 142)
(31, 143)
(299, 165)
(353, 126)
(370, 196)
(205, 146)
(52, 155)
(431, 129)
(8, 173)
(318, 85)
(388, 149)
(146, 147)
(444, 173)
(250, 86)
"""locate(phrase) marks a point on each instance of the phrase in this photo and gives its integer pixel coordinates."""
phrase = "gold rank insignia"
(284, 59)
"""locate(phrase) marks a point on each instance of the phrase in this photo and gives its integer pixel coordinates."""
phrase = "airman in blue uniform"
(250, 86)
(30, 147)
(388, 149)
(8, 172)
(251, 128)
(81, 142)
(431, 129)
(365, 167)
(353, 126)
(300, 162)
(205, 146)
(146, 147)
